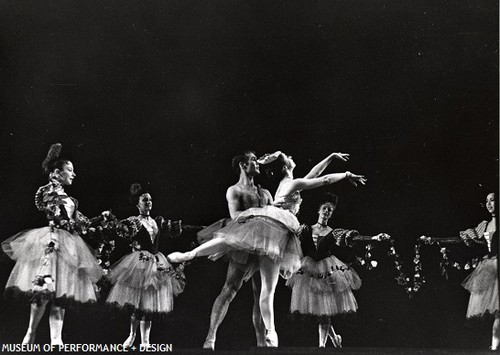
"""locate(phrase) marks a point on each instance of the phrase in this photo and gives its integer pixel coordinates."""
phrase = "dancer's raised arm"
(321, 166)
(308, 184)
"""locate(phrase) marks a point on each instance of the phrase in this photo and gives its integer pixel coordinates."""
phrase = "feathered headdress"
(52, 156)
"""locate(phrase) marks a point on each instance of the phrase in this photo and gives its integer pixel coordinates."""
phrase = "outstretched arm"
(321, 166)
(308, 184)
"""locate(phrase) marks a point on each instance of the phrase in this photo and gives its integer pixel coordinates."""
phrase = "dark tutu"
(482, 284)
(52, 263)
(269, 231)
(141, 287)
(324, 288)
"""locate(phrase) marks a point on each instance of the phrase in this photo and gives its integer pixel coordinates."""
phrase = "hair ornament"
(52, 155)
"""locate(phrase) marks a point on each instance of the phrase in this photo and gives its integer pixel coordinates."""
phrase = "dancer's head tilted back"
(327, 205)
(246, 162)
(57, 168)
(277, 165)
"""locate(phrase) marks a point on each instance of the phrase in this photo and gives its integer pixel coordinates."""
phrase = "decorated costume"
(323, 286)
(144, 282)
(54, 262)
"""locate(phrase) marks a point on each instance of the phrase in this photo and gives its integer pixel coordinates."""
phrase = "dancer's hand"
(381, 236)
(355, 179)
(341, 156)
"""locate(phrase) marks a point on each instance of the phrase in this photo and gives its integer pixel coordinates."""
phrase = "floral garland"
(413, 284)
(445, 264)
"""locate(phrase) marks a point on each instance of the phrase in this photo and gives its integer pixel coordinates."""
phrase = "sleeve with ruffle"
(344, 237)
(475, 234)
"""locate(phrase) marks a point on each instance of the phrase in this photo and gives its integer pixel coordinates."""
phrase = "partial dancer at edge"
(482, 283)
(270, 232)
(53, 263)
(323, 286)
(240, 197)
(144, 283)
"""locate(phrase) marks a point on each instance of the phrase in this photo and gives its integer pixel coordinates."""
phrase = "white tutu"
(143, 288)
(269, 231)
(324, 288)
(482, 284)
(52, 263)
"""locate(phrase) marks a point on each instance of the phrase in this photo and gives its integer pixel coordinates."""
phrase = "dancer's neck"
(246, 180)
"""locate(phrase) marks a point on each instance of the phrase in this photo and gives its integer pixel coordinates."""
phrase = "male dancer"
(240, 197)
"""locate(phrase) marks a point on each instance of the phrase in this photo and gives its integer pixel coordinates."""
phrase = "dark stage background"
(166, 92)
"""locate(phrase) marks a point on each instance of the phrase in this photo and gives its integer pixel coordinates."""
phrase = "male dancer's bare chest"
(251, 199)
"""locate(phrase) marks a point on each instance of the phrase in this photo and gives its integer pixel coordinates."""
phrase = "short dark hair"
(242, 157)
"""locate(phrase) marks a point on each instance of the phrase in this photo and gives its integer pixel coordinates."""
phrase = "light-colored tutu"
(324, 288)
(63, 256)
(269, 231)
(141, 287)
(482, 284)
(208, 233)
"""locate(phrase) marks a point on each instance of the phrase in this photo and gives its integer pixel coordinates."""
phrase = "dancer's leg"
(258, 322)
(36, 313)
(145, 331)
(234, 280)
(134, 323)
(323, 329)
(495, 336)
(56, 322)
(211, 247)
(334, 337)
(269, 273)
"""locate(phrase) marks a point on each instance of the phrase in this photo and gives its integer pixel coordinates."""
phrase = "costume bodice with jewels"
(143, 232)
(62, 210)
(290, 202)
(332, 243)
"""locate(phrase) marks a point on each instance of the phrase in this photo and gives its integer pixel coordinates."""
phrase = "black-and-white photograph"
(240, 176)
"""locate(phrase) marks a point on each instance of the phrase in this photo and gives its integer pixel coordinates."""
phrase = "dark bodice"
(62, 210)
(140, 237)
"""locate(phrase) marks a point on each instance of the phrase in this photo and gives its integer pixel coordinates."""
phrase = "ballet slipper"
(271, 338)
(29, 338)
(209, 344)
(177, 257)
(336, 340)
(129, 341)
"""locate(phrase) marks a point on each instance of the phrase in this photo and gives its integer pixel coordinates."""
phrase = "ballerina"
(53, 263)
(482, 283)
(270, 232)
(323, 286)
(144, 282)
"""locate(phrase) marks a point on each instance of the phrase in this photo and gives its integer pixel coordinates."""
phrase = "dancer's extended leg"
(36, 313)
(234, 281)
(334, 337)
(211, 247)
(269, 273)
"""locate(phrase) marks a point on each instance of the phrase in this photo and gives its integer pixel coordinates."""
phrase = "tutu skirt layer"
(482, 284)
(62, 259)
(268, 231)
(324, 288)
(144, 284)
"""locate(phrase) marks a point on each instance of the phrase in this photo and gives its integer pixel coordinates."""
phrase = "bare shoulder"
(233, 191)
